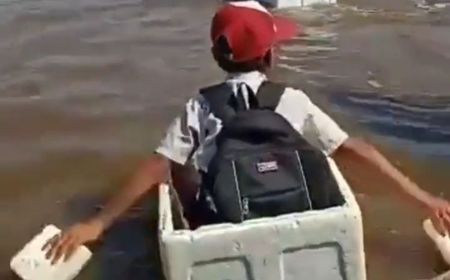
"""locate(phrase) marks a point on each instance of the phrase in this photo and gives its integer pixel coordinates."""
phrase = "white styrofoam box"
(314, 245)
(297, 3)
(30, 263)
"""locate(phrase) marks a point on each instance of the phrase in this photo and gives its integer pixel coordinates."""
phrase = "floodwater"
(87, 88)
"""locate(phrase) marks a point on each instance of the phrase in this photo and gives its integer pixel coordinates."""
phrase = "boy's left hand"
(441, 211)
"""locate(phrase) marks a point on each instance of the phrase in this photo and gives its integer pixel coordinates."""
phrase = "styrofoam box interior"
(297, 3)
(313, 245)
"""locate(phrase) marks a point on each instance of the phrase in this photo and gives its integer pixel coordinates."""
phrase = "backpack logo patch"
(267, 166)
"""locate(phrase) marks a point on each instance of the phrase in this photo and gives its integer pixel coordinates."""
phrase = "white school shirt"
(190, 139)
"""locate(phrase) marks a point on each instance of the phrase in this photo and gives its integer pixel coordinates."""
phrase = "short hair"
(222, 54)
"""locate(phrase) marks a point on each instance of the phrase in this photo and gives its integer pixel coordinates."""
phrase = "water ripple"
(423, 119)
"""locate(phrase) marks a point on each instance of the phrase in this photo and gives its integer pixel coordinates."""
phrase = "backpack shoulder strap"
(218, 99)
(269, 95)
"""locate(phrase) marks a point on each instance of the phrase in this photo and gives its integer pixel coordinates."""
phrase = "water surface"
(87, 88)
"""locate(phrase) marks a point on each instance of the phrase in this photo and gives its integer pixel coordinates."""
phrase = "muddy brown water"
(87, 88)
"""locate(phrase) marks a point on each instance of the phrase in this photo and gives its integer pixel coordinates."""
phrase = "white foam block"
(30, 263)
(442, 241)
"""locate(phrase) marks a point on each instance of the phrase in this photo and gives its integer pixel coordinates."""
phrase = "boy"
(243, 36)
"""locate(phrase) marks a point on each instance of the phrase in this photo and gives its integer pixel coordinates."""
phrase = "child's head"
(244, 34)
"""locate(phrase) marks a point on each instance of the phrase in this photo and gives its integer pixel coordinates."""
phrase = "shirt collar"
(253, 79)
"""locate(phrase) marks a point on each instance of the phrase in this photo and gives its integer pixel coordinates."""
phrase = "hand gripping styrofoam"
(30, 263)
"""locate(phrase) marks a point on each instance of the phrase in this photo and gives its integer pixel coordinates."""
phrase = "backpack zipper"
(302, 175)
(245, 207)
(238, 191)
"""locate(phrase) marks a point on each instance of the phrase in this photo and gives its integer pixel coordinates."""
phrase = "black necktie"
(241, 104)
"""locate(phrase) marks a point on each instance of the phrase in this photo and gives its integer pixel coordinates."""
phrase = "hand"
(441, 213)
(66, 243)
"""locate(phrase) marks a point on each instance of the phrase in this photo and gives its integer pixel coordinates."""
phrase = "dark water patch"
(434, 2)
(128, 249)
(423, 119)
(40, 16)
(107, 6)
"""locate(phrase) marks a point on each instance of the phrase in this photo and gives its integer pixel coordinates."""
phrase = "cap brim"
(286, 29)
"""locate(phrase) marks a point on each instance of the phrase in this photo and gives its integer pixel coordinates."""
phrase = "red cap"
(250, 29)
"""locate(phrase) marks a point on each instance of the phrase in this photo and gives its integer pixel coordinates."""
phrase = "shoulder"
(199, 104)
(196, 104)
(294, 92)
(294, 96)
(287, 90)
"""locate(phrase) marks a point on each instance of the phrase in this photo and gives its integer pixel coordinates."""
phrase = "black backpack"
(262, 166)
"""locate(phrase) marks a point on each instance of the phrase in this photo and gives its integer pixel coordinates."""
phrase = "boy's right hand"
(66, 243)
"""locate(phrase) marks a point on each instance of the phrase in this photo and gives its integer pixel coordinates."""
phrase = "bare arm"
(369, 157)
(152, 172)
